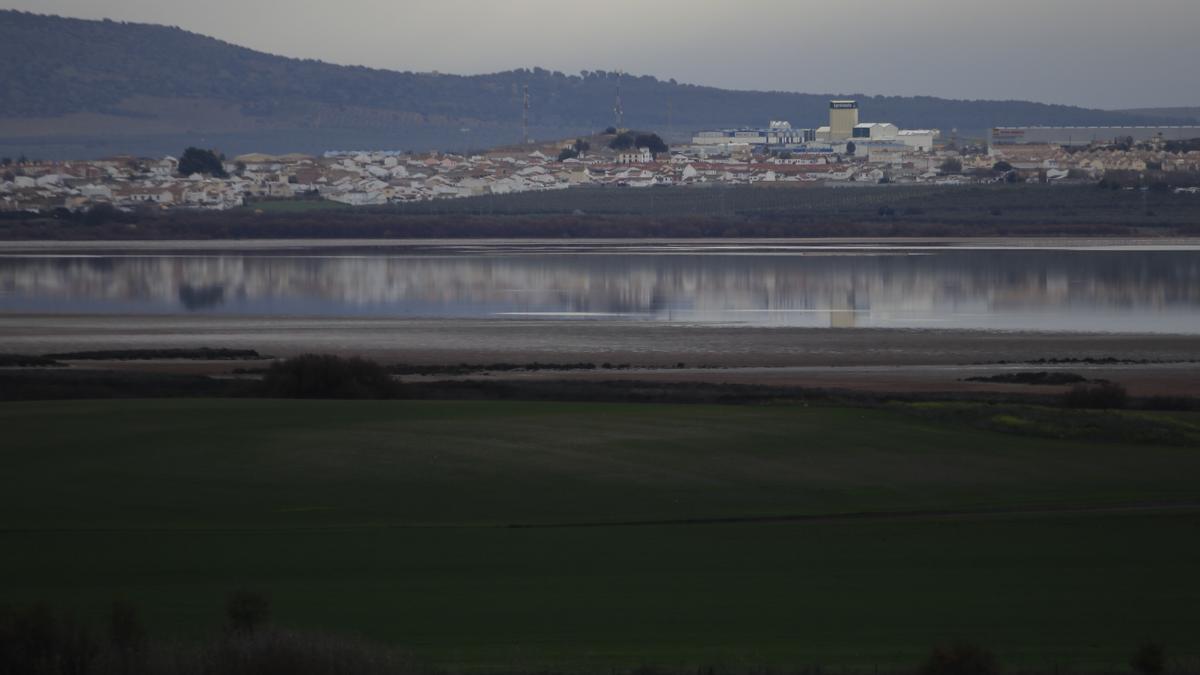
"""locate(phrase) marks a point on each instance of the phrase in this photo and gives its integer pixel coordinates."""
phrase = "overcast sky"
(1097, 53)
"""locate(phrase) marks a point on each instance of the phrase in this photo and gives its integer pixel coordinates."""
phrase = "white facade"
(881, 152)
(917, 139)
(639, 156)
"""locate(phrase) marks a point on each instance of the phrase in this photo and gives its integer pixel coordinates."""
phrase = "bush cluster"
(38, 641)
(961, 658)
(328, 376)
(1104, 395)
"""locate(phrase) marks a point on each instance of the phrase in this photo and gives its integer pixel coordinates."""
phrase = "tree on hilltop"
(203, 162)
(623, 141)
(655, 144)
(626, 140)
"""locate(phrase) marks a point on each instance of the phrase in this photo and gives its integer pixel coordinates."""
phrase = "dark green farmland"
(878, 532)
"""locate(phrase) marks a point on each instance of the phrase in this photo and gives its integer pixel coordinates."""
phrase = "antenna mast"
(525, 118)
(618, 109)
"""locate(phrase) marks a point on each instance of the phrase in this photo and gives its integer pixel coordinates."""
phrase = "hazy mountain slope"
(86, 87)
(1186, 115)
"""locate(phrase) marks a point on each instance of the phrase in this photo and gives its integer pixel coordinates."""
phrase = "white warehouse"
(920, 140)
(777, 133)
(875, 131)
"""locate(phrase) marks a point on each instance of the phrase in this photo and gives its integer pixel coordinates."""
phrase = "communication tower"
(618, 109)
(525, 117)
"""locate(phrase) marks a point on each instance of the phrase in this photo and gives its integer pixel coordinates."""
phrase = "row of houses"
(373, 178)
(1096, 160)
(80, 185)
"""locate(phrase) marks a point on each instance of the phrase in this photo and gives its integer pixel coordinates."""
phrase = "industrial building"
(1082, 136)
(778, 133)
(876, 131)
(843, 129)
(843, 118)
(920, 140)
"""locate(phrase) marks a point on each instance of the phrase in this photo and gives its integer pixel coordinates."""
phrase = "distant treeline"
(27, 361)
(1041, 377)
(38, 640)
(199, 354)
(469, 368)
(676, 212)
(56, 360)
(324, 376)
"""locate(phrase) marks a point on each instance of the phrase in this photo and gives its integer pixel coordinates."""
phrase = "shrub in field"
(36, 641)
(1171, 403)
(652, 670)
(1106, 395)
(328, 376)
(127, 638)
(961, 658)
(246, 611)
(278, 652)
(25, 361)
(1149, 659)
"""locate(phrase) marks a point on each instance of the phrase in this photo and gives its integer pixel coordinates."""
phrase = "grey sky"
(1099, 53)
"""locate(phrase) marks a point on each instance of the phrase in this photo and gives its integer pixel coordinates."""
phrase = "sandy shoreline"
(641, 343)
(1139, 379)
(852, 358)
(293, 246)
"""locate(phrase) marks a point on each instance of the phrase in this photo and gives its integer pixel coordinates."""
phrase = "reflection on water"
(201, 297)
(1096, 290)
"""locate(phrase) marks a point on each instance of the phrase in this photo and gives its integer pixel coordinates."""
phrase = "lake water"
(1109, 289)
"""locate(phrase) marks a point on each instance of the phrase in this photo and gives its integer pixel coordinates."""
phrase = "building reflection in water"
(843, 308)
(1008, 289)
(195, 298)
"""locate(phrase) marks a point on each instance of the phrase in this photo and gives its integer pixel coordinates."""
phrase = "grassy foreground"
(395, 520)
(773, 210)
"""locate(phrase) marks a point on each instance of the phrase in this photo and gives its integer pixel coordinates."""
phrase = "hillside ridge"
(101, 86)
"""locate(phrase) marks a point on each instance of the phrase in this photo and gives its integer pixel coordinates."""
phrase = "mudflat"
(864, 359)
(639, 343)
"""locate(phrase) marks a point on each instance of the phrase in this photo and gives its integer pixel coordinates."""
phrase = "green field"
(718, 211)
(394, 520)
(294, 205)
(979, 205)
